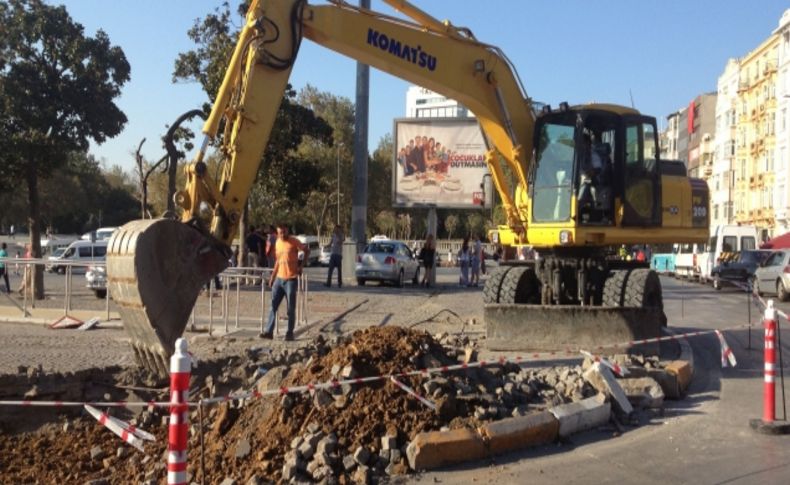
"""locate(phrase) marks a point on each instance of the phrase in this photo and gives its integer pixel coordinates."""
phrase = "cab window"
(553, 181)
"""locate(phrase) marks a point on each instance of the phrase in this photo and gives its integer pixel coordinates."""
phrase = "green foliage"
(288, 174)
(57, 87)
(475, 223)
(380, 177)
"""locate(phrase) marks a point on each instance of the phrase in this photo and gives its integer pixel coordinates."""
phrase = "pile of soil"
(248, 439)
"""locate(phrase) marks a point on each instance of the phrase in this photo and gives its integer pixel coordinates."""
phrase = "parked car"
(323, 257)
(739, 269)
(78, 251)
(100, 234)
(388, 260)
(774, 275)
(96, 280)
(315, 248)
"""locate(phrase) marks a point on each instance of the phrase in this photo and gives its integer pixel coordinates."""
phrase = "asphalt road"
(704, 439)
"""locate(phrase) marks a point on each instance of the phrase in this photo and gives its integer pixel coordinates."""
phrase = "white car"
(388, 260)
(96, 280)
(323, 257)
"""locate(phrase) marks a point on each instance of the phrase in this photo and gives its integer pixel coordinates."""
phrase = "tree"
(450, 225)
(475, 223)
(380, 177)
(285, 179)
(404, 226)
(386, 222)
(58, 88)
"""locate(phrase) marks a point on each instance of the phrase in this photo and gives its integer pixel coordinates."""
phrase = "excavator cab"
(594, 166)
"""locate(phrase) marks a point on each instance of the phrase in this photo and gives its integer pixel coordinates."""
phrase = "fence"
(231, 277)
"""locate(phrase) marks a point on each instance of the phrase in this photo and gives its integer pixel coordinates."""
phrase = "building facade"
(424, 103)
(756, 139)
(722, 179)
(781, 200)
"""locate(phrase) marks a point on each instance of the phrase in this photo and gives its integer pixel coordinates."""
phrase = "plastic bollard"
(769, 386)
(178, 431)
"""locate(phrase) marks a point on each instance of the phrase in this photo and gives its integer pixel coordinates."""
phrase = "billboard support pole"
(433, 224)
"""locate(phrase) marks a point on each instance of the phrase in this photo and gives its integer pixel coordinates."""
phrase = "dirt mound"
(350, 433)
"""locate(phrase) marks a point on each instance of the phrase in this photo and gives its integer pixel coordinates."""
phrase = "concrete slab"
(602, 379)
(643, 392)
(439, 448)
(582, 415)
(521, 432)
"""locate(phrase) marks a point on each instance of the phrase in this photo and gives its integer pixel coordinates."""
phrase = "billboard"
(438, 162)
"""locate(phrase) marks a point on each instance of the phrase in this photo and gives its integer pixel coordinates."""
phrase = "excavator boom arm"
(431, 54)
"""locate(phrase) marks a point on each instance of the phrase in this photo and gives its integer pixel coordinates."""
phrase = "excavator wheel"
(494, 284)
(520, 285)
(155, 271)
(640, 288)
(614, 288)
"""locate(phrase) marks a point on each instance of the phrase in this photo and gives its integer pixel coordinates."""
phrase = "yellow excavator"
(573, 181)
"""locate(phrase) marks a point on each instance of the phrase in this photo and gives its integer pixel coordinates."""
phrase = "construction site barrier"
(768, 424)
(233, 276)
(178, 429)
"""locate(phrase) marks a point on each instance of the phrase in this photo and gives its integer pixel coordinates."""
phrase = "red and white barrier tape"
(413, 394)
(119, 429)
(614, 366)
(726, 352)
(334, 383)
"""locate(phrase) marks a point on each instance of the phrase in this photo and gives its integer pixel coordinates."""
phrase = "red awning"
(779, 242)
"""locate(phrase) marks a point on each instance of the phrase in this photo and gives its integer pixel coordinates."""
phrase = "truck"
(573, 182)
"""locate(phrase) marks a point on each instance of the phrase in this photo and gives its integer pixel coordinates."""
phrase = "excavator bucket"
(155, 271)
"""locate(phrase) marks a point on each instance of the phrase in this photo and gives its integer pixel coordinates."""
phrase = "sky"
(661, 54)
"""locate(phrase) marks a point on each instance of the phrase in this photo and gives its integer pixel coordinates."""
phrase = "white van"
(725, 239)
(687, 260)
(100, 234)
(79, 251)
(50, 245)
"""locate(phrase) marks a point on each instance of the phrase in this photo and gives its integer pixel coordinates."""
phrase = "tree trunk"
(34, 214)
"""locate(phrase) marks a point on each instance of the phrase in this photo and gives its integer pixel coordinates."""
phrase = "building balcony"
(743, 86)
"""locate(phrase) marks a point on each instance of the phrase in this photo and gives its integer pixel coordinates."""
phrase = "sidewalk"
(12, 312)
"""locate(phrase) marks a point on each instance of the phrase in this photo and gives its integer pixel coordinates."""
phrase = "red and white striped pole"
(178, 433)
(768, 424)
(769, 386)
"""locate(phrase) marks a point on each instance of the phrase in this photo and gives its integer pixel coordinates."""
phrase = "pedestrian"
(27, 280)
(271, 241)
(336, 257)
(463, 260)
(11, 230)
(254, 245)
(4, 267)
(428, 256)
(475, 257)
(284, 280)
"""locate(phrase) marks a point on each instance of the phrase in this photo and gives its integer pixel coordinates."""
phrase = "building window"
(716, 211)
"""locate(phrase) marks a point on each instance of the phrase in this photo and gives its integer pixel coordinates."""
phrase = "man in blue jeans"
(285, 278)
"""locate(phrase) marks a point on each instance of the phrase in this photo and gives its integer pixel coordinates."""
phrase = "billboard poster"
(438, 162)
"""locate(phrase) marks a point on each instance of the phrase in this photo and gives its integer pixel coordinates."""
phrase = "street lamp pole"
(340, 144)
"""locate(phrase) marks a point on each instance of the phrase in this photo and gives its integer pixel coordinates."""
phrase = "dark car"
(739, 269)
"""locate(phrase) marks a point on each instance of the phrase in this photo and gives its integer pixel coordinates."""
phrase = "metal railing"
(250, 274)
(233, 276)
